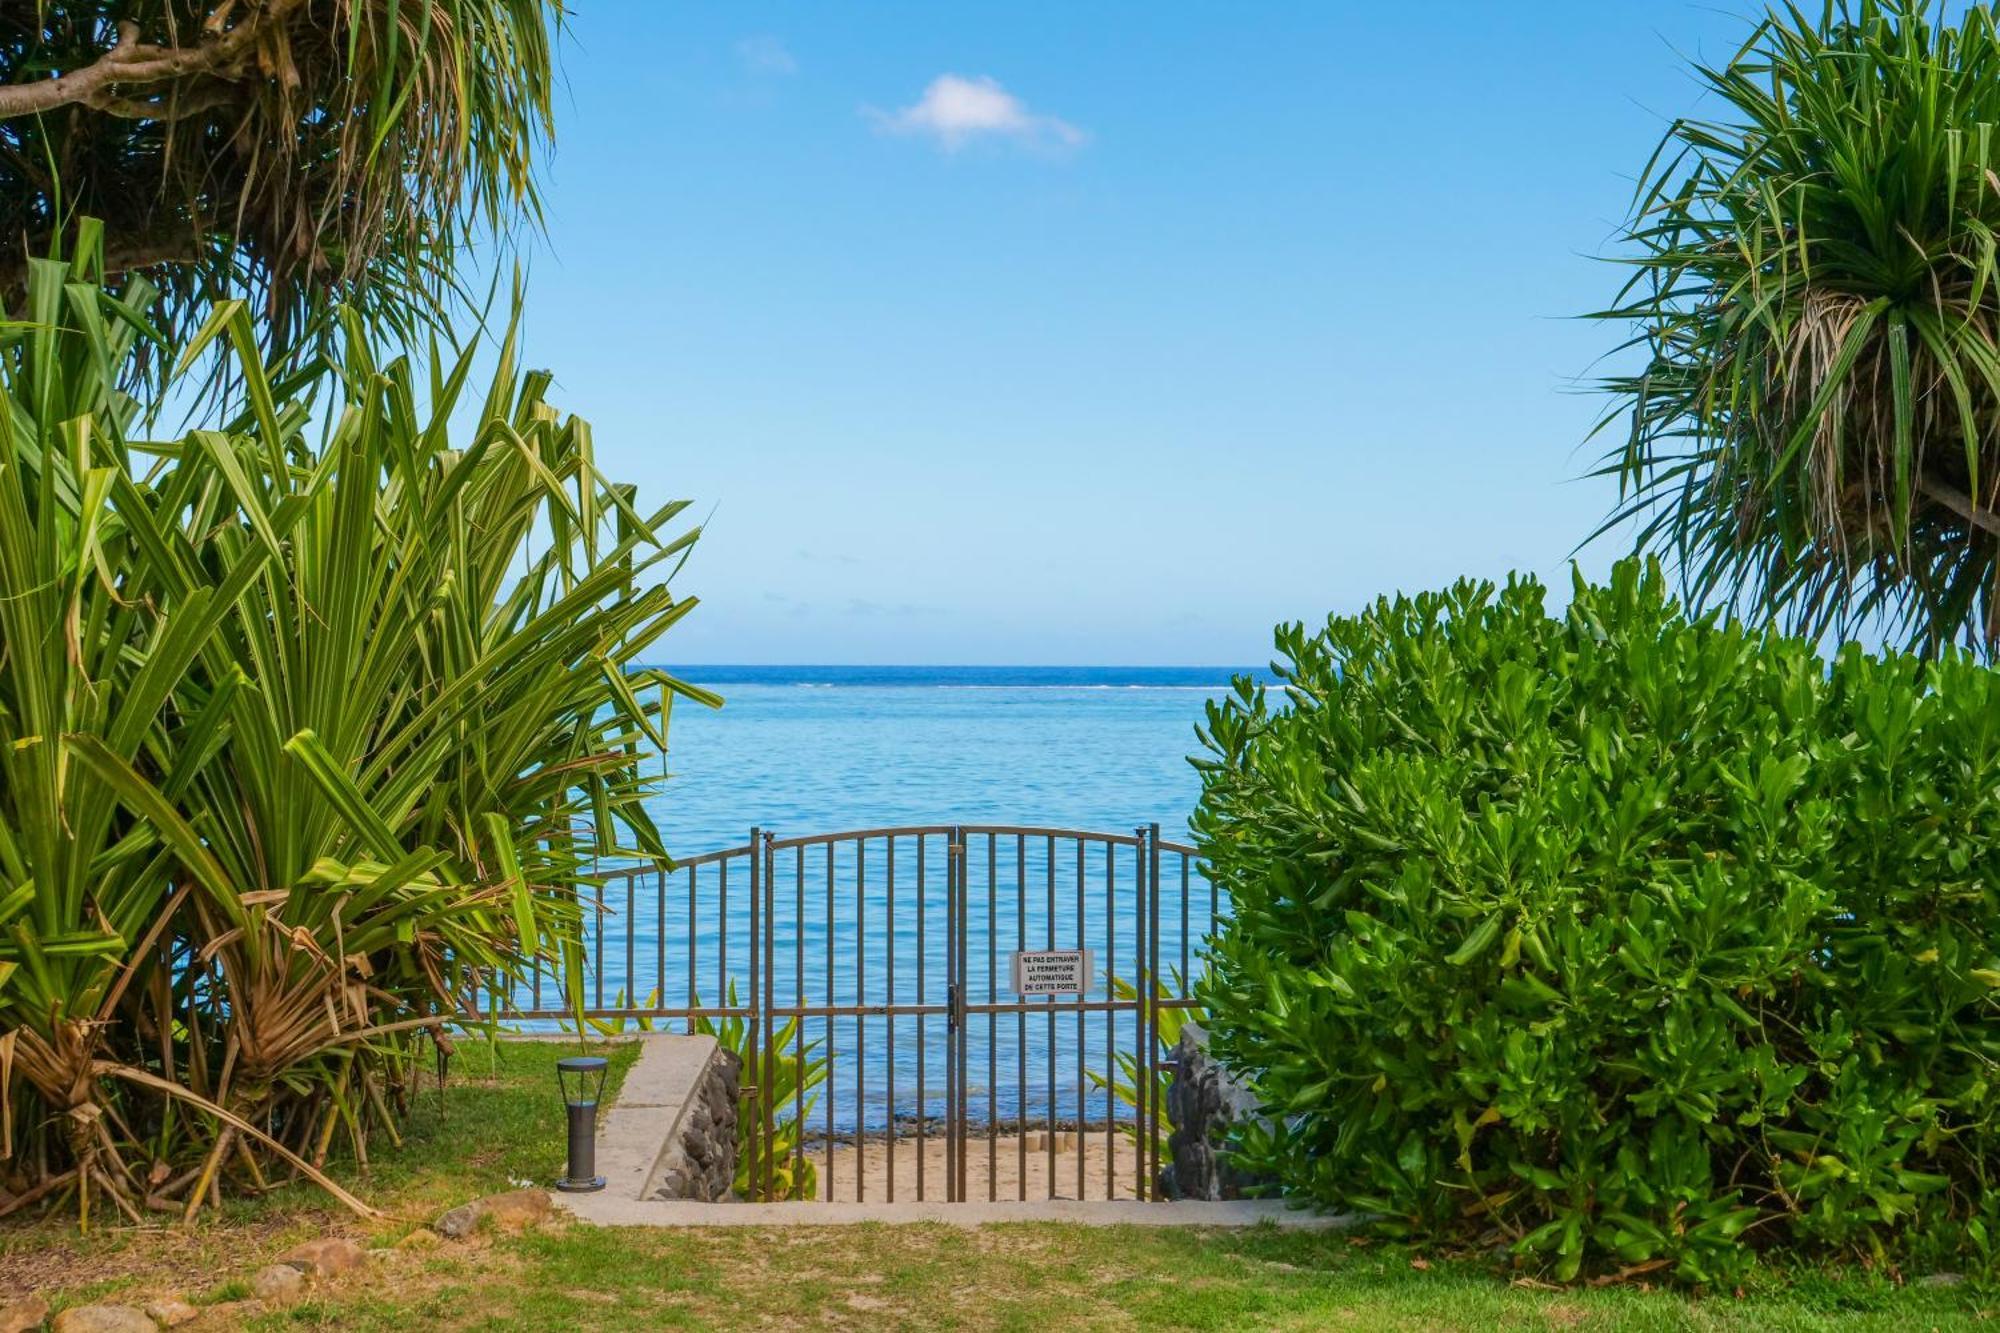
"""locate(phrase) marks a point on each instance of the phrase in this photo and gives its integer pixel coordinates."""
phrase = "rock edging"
(698, 1162)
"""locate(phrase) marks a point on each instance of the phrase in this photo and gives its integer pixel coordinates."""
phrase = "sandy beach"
(1003, 1166)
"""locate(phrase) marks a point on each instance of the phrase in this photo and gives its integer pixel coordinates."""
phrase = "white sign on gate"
(1053, 971)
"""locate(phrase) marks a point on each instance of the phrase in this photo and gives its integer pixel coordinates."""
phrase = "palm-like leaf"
(301, 738)
(304, 151)
(1815, 427)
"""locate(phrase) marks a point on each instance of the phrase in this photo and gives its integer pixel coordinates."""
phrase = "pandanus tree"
(304, 152)
(1811, 427)
(314, 719)
(310, 723)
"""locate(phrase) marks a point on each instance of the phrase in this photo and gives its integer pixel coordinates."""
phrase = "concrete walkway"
(601, 1210)
(655, 1095)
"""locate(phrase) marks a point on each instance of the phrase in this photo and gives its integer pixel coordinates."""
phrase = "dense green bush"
(1626, 940)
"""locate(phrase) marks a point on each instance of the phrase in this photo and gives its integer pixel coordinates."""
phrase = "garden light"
(581, 1078)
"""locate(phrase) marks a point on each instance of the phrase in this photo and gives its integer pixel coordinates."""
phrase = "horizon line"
(987, 666)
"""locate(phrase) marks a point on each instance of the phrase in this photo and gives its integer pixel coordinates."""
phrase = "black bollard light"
(581, 1078)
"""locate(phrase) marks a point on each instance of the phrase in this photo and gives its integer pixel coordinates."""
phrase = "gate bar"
(860, 1025)
(1110, 1022)
(832, 1065)
(1142, 1055)
(992, 1027)
(1021, 1023)
(1082, 1037)
(760, 1106)
(889, 994)
(768, 1049)
(923, 1109)
(1155, 993)
(956, 1023)
(799, 1023)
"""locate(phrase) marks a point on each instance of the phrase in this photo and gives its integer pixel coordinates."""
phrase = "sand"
(1004, 1166)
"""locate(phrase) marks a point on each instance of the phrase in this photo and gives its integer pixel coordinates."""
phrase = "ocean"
(801, 750)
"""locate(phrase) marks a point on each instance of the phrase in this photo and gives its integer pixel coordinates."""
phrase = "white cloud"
(764, 54)
(955, 111)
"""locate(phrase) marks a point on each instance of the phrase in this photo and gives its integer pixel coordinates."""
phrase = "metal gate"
(882, 957)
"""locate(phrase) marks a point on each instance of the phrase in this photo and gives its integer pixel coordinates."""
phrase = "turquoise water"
(806, 750)
(798, 752)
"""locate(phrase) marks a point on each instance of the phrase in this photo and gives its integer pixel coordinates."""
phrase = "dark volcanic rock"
(1203, 1101)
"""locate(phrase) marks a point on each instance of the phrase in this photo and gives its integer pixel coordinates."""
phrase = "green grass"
(500, 1124)
(1044, 1276)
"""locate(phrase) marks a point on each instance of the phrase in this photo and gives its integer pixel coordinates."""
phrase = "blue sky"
(1056, 333)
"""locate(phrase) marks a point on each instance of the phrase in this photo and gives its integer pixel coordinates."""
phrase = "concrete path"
(602, 1210)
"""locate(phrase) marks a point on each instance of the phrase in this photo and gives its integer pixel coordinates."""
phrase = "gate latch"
(954, 1007)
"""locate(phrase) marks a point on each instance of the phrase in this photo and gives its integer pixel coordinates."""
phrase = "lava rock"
(277, 1284)
(1203, 1101)
(171, 1312)
(329, 1256)
(30, 1312)
(457, 1223)
(103, 1319)
(516, 1210)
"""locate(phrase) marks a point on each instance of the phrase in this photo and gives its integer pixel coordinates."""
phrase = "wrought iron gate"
(885, 954)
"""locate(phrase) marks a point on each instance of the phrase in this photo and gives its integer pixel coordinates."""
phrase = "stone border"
(698, 1163)
(644, 1125)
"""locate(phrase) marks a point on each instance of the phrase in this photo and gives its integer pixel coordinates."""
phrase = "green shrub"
(1626, 940)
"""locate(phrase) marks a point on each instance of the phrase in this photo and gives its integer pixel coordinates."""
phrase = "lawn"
(498, 1124)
